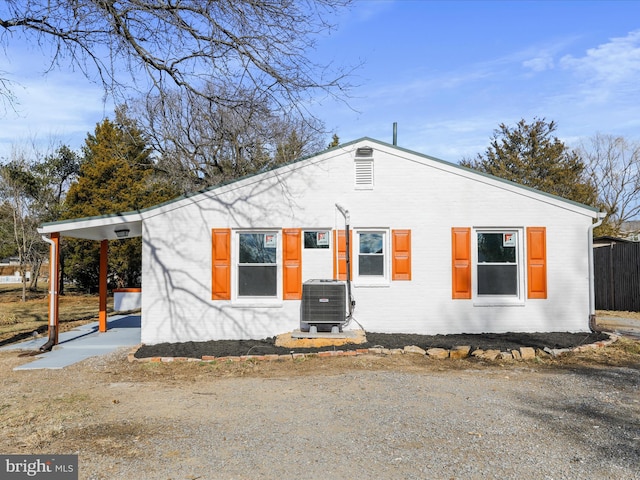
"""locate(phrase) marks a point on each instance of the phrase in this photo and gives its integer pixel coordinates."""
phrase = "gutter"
(350, 301)
(53, 291)
(592, 289)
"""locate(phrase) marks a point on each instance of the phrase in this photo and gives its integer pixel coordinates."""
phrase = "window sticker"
(322, 238)
(508, 239)
(270, 240)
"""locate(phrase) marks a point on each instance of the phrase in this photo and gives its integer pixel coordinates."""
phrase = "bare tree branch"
(614, 166)
(252, 44)
(202, 143)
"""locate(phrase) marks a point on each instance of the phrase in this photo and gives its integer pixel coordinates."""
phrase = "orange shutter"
(461, 262)
(340, 257)
(292, 264)
(536, 262)
(221, 264)
(401, 264)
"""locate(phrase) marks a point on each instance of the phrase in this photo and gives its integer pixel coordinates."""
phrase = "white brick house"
(435, 249)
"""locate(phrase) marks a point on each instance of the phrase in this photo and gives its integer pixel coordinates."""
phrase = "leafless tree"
(201, 143)
(18, 192)
(188, 44)
(614, 166)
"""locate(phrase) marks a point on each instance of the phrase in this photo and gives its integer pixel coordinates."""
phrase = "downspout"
(350, 302)
(592, 288)
(53, 292)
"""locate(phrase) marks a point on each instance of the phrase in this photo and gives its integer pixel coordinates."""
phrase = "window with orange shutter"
(221, 264)
(401, 255)
(536, 262)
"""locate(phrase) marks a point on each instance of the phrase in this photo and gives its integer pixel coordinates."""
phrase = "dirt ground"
(405, 416)
(201, 420)
(500, 341)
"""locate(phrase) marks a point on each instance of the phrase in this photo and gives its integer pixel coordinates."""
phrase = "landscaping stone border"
(458, 352)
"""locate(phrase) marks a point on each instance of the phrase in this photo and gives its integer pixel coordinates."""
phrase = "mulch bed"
(484, 341)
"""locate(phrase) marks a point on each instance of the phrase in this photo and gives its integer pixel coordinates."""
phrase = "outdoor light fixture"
(122, 233)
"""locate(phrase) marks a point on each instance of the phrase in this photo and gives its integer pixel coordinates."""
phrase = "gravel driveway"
(361, 417)
(465, 425)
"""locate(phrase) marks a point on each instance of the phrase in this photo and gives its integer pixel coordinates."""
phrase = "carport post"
(54, 283)
(102, 316)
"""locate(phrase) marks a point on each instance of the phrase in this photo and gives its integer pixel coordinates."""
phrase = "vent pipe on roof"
(395, 133)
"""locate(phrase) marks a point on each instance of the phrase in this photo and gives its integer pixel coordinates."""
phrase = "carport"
(101, 229)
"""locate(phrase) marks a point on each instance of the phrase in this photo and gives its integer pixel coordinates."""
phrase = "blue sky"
(447, 72)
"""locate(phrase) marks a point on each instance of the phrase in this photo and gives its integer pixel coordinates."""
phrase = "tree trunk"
(35, 274)
(23, 276)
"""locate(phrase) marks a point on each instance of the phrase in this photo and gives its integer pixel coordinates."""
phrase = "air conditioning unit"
(324, 304)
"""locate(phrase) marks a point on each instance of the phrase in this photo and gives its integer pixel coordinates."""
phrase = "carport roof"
(101, 227)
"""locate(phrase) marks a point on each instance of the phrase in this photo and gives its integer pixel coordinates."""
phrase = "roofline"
(143, 211)
(188, 195)
(478, 172)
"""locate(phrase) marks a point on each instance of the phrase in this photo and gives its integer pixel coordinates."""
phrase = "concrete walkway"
(81, 343)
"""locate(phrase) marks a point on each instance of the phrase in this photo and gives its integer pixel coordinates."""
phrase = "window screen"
(257, 269)
(497, 267)
(371, 254)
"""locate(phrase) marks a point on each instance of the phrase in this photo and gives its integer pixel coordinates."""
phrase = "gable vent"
(364, 152)
(364, 174)
(364, 168)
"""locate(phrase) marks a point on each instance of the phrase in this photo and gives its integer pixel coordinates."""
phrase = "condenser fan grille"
(323, 302)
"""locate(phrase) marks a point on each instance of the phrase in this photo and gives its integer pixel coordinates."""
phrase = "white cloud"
(539, 64)
(52, 109)
(540, 58)
(611, 63)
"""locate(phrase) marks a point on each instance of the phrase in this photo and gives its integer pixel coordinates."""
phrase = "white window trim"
(371, 280)
(499, 300)
(239, 301)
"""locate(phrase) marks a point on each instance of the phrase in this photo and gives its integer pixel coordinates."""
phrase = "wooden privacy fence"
(617, 277)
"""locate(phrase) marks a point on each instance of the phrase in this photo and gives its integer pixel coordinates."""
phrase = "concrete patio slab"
(81, 343)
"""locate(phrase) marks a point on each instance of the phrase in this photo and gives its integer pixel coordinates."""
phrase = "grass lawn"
(20, 319)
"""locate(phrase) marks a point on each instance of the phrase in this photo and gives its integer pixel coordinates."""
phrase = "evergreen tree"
(289, 150)
(530, 155)
(116, 175)
(7, 243)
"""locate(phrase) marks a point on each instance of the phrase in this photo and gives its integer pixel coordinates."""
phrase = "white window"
(371, 262)
(498, 268)
(257, 272)
(317, 239)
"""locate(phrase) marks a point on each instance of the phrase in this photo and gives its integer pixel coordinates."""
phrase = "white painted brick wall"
(414, 193)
